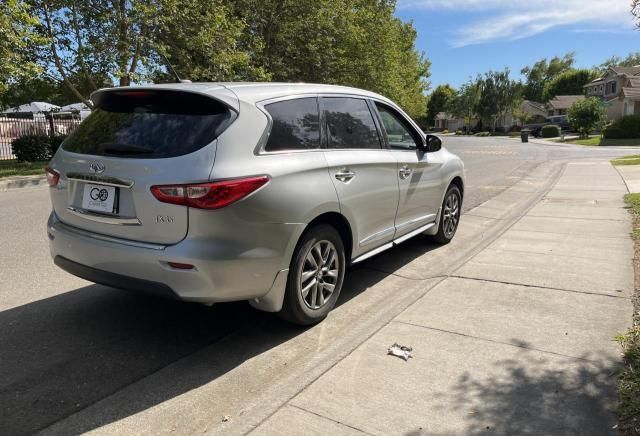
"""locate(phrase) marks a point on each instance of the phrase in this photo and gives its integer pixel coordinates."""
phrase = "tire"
(321, 244)
(449, 219)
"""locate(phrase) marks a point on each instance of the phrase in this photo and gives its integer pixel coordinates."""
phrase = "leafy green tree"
(439, 101)
(17, 38)
(351, 42)
(570, 82)
(587, 115)
(543, 71)
(635, 11)
(464, 105)
(499, 96)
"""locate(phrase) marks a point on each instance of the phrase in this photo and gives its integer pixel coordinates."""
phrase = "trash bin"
(524, 135)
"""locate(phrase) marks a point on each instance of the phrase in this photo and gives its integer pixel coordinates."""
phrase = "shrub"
(550, 131)
(445, 131)
(586, 115)
(627, 127)
(459, 132)
(483, 134)
(34, 148)
(31, 148)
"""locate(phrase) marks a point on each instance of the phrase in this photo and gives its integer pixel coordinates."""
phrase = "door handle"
(405, 172)
(345, 175)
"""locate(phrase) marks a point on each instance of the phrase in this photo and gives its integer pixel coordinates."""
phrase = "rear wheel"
(315, 277)
(450, 215)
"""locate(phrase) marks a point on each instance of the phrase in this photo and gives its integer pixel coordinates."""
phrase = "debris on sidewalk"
(400, 351)
(226, 418)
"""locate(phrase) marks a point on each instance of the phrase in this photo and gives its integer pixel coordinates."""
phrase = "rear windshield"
(149, 124)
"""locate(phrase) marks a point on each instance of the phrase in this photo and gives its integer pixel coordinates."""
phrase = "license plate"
(99, 198)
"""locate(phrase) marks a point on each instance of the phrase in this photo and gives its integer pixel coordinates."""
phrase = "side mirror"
(433, 144)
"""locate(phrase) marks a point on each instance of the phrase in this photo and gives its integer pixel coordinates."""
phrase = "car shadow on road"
(64, 353)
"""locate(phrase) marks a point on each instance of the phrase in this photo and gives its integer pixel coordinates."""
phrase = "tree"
(17, 37)
(568, 83)
(326, 41)
(439, 101)
(465, 103)
(542, 72)
(586, 115)
(329, 41)
(499, 96)
(635, 11)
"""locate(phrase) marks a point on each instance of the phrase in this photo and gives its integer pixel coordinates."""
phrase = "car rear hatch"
(133, 140)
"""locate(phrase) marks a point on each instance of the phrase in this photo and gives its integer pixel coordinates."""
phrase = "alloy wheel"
(319, 274)
(451, 214)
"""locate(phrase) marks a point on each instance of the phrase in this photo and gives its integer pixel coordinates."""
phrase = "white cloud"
(515, 19)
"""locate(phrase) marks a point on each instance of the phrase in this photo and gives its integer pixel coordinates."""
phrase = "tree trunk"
(123, 54)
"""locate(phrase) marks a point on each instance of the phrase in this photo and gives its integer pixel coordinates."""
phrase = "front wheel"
(450, 215)
(315, 276)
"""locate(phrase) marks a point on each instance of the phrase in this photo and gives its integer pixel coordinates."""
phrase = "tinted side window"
(350, 123)
(296, 125)
(399, 135)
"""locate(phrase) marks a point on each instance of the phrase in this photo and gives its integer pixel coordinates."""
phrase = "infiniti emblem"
(97, 167)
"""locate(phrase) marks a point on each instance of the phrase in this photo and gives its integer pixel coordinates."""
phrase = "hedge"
(34, 148)
(627, 127)
(550, 131)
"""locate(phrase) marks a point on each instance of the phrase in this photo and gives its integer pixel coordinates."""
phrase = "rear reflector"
(177, 265)
(53, 177)
(214, 195)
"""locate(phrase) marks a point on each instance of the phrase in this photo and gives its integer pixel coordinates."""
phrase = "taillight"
(214, 195)
(53, 177)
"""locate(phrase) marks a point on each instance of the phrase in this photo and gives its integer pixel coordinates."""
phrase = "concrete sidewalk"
(517, 340)
(631, 176)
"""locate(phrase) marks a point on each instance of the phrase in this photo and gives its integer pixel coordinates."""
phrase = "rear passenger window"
(296, 125)
(350, 123)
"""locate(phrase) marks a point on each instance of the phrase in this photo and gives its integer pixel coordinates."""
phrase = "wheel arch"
(342, 226)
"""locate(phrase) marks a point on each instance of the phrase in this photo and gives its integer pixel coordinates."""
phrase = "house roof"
(536, 105)
(593, 82)
(629, 71)
(631, 92)
(564, 101)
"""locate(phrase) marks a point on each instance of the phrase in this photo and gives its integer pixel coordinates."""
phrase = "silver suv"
(214, 192)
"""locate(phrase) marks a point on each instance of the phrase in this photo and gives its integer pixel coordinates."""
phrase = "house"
(559, 104)
(447, 121)
(619, 88)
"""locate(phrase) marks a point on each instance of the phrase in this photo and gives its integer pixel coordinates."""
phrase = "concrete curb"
(18, 182)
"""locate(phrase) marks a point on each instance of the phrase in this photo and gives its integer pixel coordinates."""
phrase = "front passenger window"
(399, 135)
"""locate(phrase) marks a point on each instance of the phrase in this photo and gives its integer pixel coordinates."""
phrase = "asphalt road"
(66, 344)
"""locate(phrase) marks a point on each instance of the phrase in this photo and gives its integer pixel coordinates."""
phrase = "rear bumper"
(114, 280)
(223, 270)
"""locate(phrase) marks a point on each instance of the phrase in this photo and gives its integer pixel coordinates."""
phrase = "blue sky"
(466, 37)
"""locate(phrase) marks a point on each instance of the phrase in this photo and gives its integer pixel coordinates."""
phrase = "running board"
(395, 242)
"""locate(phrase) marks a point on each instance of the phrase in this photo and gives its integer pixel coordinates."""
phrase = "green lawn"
(629, 380)
(14, 168)
(632, 159)
(597, 140)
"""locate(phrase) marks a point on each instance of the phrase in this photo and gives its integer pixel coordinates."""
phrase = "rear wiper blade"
(118, 148)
